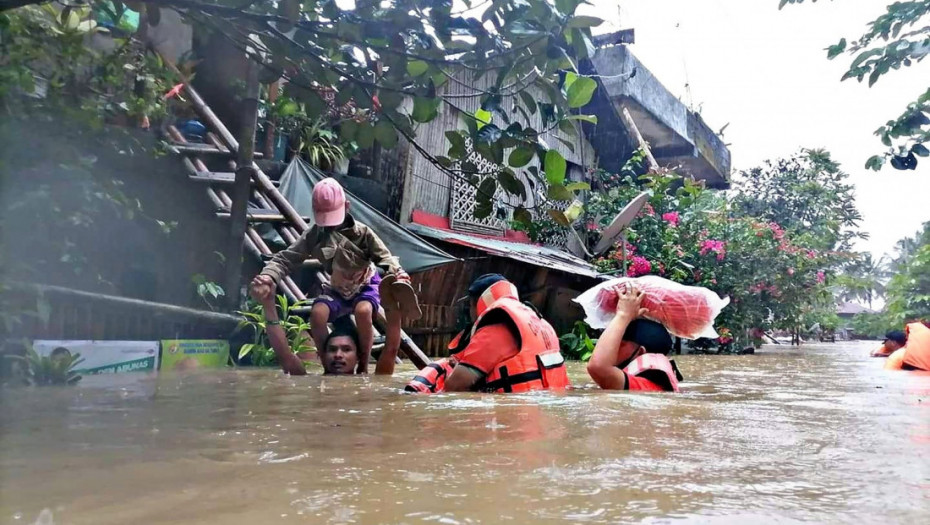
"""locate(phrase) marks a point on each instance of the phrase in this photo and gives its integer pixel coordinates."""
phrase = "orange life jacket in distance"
(917, 349)
(432, 378)
(656, 368)
(538, 364)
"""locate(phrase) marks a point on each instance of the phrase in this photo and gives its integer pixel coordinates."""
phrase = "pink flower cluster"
(649, 210)
(639, 266)
(821, 277)
(671, 218)
(630, 250)
(726, 337)
(777, 231)
(712, 246)
(762, 287)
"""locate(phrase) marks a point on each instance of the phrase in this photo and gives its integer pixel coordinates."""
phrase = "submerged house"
(426, 201)
(433, 205)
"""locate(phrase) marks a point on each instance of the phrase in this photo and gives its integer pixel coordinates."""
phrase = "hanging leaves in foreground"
(425, 109)
(510, 183)
(521, 157)
(554, 167)
(580, 92)
(386, 134)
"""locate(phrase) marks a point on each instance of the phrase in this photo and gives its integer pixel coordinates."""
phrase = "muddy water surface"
(819, 434)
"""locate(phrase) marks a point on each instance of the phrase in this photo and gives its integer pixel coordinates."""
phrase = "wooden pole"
(628, 121)
(240, 193)
(270, 125)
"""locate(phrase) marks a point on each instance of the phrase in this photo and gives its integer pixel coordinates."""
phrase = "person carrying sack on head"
(631, 353)
(351, 253)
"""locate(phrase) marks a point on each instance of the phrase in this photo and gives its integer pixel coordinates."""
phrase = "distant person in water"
(915, 354)
(339, 352)
(631, 353)
(894, 340)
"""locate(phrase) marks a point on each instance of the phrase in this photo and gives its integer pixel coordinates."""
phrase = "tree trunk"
(240, 192)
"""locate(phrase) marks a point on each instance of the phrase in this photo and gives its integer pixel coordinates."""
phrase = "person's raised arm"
(284, 262)
(290, 363)
(386, 361)
(602, 367)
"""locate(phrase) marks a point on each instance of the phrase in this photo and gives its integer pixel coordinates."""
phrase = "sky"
(765, 73)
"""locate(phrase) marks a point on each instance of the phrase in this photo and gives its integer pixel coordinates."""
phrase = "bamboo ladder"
(276, 210)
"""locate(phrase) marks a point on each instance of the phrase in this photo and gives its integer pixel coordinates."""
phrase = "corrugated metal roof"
(528, 253)
(848, 308)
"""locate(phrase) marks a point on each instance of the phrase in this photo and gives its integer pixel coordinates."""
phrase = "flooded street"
(820, 434)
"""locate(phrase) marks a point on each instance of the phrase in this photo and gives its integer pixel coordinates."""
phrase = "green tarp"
(416, 255)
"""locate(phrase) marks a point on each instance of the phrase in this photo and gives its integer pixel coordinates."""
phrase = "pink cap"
(329, 203)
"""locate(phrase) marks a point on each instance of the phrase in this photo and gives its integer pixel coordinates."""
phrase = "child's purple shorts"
(339, 306)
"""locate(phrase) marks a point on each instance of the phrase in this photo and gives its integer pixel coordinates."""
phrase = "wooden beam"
(188, 149)
(631, 126)
(158, 308)
(257, 216)
(217, 177)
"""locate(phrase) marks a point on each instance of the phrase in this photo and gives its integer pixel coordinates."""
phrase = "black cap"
(479, 285)
(650, 335)
(897, 336)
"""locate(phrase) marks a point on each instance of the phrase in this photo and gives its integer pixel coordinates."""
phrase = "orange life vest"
(895, 361)
(917, 349)
(432, 378)
(656, 368)
(538, 365)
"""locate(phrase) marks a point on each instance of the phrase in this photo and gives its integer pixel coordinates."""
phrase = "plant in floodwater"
(55, 369)
(577, 344)
(207, 290)
(296, 328)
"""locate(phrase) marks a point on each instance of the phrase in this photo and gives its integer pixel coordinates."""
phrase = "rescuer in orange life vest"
(630, 354)
(915, 355)
(508, 348)
(894, 341)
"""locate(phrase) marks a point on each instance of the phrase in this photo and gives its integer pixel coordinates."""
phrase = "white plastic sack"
(685, 311)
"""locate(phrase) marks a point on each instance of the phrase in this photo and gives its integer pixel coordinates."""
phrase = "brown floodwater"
(820, 434)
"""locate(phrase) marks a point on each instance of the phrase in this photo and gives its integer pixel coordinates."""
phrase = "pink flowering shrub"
(639, 266)
(712, 246)
(671, 218)
(771, 272)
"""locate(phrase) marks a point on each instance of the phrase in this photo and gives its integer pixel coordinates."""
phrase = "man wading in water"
(347, 249)
(339, 353)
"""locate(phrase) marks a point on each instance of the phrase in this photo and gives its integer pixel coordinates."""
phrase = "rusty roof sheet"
(541, 256)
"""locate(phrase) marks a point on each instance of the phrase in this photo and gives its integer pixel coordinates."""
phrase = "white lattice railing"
(464, 197)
